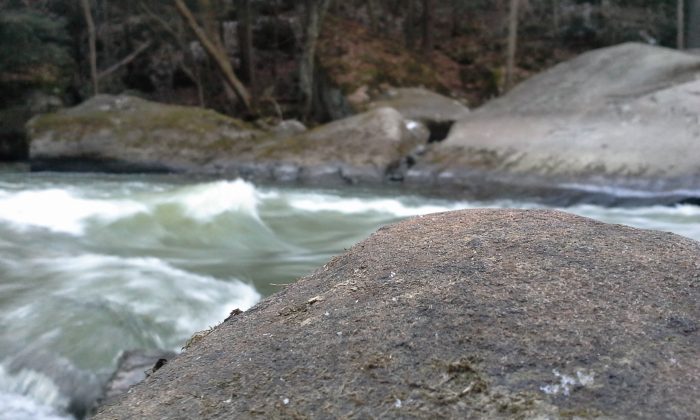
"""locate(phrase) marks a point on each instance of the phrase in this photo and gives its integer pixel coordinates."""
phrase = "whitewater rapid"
(92, 265)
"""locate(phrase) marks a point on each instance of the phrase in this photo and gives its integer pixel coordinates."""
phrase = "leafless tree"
(217, 53)
(692, 27)
(512, 42)
(315, 11)
(245, 36)
(427, 26)
(85, 4)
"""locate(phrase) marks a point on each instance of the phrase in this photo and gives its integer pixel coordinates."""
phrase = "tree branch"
(216, 54)
(124, 61)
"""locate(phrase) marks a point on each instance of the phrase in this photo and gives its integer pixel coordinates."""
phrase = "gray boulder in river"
(625, 117)
(437, 112)
(124, 133)
(469, 314)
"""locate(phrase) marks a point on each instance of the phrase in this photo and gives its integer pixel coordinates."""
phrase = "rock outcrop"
(617, 125)
(620, 118)
(435, 111)
(470, 314)
(113, 132)
(124, 133)
(365, 148)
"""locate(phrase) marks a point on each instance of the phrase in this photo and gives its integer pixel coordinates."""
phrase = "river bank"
(580, 132)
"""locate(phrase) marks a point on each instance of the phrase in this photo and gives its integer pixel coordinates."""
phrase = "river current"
(92, 265)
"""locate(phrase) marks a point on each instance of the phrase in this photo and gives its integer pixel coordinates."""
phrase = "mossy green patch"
(142, 121)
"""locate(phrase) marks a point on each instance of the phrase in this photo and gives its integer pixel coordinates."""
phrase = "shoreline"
(479, 187)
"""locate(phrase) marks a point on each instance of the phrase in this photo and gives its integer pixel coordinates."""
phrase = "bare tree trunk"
(91, 44)
(217, 54)
(555, 16)
(456, 18)
(692, 26)
(512, 42)
(210, 24)
(680, 25)
(275, 39)
(192, 72)
(315, 12)
(427, 27)
(124, 61)
(245, 38)
(408, 30)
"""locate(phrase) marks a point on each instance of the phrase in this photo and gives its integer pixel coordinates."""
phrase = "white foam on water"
(206, 201)
(394, 207)
(63, 211)
(630, 192)
(19, 407)
(150, 287)
(60, 211)
(682, 219)
(20, 393)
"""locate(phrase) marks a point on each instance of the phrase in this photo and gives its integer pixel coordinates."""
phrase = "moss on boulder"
(124, 132)
(138, 133)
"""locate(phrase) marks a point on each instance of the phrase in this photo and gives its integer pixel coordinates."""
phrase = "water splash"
(393, 207)
(60, 211)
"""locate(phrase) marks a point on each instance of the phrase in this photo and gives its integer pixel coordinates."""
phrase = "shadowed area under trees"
(284, 59)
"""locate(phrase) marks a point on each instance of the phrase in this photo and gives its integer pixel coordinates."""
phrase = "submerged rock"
(623, 117)
(133, 367)
(470, 314)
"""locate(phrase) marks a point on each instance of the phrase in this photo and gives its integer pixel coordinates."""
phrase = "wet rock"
(133, 367)
(622, 118)
(469, 314)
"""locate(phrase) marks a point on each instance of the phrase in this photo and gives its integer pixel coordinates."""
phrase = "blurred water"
(91, 265)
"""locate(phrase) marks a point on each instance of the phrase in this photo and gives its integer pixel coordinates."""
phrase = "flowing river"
(92, 265)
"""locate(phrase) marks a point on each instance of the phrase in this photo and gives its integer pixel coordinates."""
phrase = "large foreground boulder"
(125, 133)
(470, 314)
(623, 117)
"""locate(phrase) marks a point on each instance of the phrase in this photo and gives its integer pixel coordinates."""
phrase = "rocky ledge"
(470, 314)
(124, 133)
(620, 122)
(613, 126)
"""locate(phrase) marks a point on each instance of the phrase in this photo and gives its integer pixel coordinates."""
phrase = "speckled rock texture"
(470, 314)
